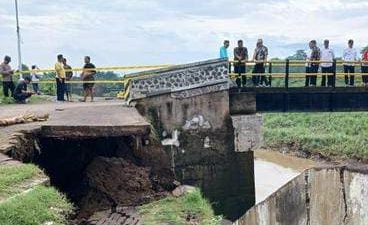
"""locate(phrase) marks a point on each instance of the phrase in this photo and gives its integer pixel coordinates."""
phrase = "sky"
(140, 32)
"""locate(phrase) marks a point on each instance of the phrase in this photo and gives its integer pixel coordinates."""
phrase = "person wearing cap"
(20, 92)
(349, 57)
(260, 57)
(60, 78)
(327, 57)
(365, 67)
(7, 75)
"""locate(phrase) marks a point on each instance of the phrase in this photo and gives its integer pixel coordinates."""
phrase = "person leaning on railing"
(327, 57)
(260, 56)
(365, 67)
(240, 54)
(349, 57)
(312, 64)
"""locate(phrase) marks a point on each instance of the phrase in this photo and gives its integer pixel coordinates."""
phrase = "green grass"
(342, 135)
(13, 176)
(36, 99)
(22, 204)
(40, 205)
(175, 211)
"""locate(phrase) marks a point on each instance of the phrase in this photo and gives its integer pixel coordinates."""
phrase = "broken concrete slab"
(95, 121)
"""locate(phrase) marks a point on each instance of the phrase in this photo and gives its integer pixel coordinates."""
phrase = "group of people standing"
(260, 56)
(315, 58)
(324, 58)
(64, 74)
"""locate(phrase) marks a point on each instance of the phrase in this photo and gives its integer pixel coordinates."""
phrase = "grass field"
(176, 211)
(342, 135)
(24, 200)
(36, 99)
(14, 177)
(40, 205)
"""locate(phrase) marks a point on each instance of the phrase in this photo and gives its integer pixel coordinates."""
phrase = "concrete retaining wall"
(319, 196)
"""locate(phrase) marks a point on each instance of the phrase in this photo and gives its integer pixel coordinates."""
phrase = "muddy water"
(273, 170)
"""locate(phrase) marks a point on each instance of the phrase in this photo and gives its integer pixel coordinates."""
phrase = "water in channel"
(273, 169)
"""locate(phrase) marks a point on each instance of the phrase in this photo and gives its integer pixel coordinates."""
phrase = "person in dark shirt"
(88, 75)
(20, 92)
(240, 55)
(68, 77)
(312, 64)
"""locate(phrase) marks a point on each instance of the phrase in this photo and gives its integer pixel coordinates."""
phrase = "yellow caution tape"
(112, 68)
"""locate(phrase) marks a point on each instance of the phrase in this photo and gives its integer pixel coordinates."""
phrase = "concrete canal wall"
(336, 195)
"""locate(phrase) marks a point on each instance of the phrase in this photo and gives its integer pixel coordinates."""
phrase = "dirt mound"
(119, 182)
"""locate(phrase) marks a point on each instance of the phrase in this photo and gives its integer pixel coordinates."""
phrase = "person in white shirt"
(349, 57)
(35, 77)
(327, 57)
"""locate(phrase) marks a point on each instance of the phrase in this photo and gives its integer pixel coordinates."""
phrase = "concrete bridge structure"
(210, 129)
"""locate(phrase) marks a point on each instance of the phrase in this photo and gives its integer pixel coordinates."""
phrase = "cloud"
(120, 32)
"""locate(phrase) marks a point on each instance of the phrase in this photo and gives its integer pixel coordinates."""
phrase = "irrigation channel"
(274, 169)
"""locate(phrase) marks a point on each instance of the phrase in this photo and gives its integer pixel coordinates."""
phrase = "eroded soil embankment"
(101, 173)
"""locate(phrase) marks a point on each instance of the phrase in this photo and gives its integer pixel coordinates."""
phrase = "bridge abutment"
(189, 109)
(198, 135)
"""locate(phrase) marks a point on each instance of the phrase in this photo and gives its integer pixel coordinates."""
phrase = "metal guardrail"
(286, 75)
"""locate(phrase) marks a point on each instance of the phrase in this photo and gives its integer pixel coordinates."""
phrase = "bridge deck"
(93, 121)
(317, 99)
(76, 120)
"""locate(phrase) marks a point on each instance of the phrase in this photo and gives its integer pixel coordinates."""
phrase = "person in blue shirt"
(223, 50)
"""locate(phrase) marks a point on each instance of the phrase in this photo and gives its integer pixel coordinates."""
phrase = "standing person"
(7, 74)
(60, 78)
(260, 57)
(68, 77)
(223, 50)
(88, 76)
(35, 77)
(20, 92)
(240, 54)
(349, 57)
(327, 56)
(365, 67)
(312, 64)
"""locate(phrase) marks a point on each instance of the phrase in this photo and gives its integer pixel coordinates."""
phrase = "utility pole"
(18, 36)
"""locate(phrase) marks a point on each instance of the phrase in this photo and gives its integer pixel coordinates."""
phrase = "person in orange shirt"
(60, 78)
(365, 67)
